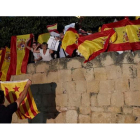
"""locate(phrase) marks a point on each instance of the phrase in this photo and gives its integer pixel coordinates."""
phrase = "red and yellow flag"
(19, 55)
(5, 62)
(43, 38)
(52, 28)
(92, 45)
(122, 41)
(69, 42)
(12, 91)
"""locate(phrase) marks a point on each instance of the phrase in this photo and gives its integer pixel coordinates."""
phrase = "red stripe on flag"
(2, 57)
(72, 29)
(51, 25)
(135, 46)
(7, 95)
(71, 48)
(13, 59)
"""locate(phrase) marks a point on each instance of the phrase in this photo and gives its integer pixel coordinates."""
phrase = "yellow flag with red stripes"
(43, 38)
(12, 91)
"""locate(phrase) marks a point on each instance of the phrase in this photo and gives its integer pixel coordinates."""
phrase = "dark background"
(10, 26)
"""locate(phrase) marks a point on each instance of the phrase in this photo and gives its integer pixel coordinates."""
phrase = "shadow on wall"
(44, 96)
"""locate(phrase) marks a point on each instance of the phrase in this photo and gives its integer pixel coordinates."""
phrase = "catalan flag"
(122, 41)
(52, 28)
(92, 45)
(69, 42)
(12, 91)
(43, 38)
(4, 64)
(19, 55)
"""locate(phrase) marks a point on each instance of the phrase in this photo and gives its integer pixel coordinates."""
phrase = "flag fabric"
(19, 55)
(5, 62)
(92, 45)
(52, 28)
(133, 32)
(137, 17)
(122, 41)
(43, 38)
(0, 54)
(69, 42)
(12, 91)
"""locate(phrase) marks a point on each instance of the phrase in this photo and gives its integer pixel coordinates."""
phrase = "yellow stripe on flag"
(43, 38)
(0, 54)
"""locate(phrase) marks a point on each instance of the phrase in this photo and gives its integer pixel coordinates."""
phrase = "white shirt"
(61, 53)
(46, 56)
(36, 55)
(72, 25)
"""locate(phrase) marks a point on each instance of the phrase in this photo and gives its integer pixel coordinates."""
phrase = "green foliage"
(10, 26)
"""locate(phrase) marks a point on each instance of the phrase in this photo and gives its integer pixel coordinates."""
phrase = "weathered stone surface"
(22, 77)
(93, 86)
(78, 74)
(136, 56)
(71, 116)
(52, 77)
(138, 120)
(14, 118)
(114, 109)
(117, 99)
(136, 111)
(97, 109)
(61, 100)
(93, 100)
(98, 117)
(125, 119)
(64, 75)
(39, 78)
(106, 87)
(113, 72)
(103, 99)
(31, 68)
(84, 110)
(127, 110)
(132, 98)
(59, 89)
(84, 118)
(100, 73)
(42, 67)
(134, 84)
(81, 86)
(88, 74)
(61, 118)
(138, 69)
(73, 63)
(85, 100)
(50, 121)
(22, 121)
(6, 102)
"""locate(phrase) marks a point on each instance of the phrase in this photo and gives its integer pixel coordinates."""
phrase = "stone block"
(85, 100)
(134, 84)
(39, 78)
(52, 77)
(98, 117)
(61, 118)
(85, 110)
(84, 118)
(31, 68)
(100, 73)
(78, 74)
(71, 116)
(132, 98)
(64, 75)
(93, 100)
(14, 118)
(73, 63)
(117, 99)
(138, 120)
(59, 89)
(127, 110)
(88, 74)
(22, 77)
(103, 99)
(106, 87)
(136, 111)
(22, 121)
(42, 67)
(97, 109)
(50, 121)
(81, 86)
(61, 100)
(113, 72)
(114, 109)
(136, 56)
(93, 86)
(125, 118)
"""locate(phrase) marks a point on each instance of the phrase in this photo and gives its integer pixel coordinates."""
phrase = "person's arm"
(23, 93)
(40, 58)
(50, 51)
(35, 50)
(27, 45)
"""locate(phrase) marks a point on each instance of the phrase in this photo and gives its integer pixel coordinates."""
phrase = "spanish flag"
(133, 32)
(92, 45)
(69, 42)
(19, 55)
(43, 38)
(4, 64)
(0, 54)
(52, 28)
(12, 91)
(122, 41)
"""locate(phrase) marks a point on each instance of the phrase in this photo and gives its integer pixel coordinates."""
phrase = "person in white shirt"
(45, 53)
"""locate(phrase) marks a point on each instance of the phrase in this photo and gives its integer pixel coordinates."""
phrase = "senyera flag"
(133, 32)
(122, 41)
(43, 38)
(12, 91)
(92, 45)
(19, 55)
(69, 42)
(4, 64)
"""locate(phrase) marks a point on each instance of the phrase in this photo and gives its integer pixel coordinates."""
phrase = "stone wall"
(104, 90)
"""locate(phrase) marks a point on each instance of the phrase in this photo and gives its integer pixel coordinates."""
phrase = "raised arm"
(23, 93)
(35, 50)
(27, 45)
